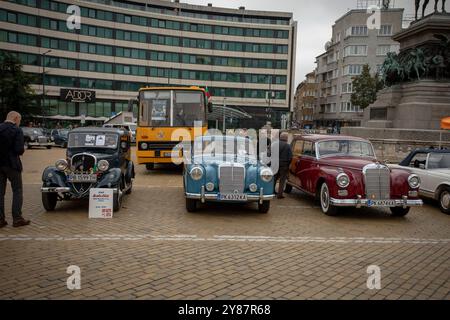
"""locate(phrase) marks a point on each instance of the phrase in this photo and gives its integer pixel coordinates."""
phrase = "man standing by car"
(284, 163)
(11, 148)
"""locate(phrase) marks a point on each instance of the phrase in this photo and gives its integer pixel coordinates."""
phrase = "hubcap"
(325, 198)
(445, 200)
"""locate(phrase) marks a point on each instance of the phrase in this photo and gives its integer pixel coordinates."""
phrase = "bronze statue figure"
(425, 4)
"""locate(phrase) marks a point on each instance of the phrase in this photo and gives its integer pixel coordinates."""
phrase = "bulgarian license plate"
(82, 178)
(232, 197)
(381, 203)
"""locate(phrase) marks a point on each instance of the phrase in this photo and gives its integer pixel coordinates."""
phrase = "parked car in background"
(59, 137)
(433, 168)
(95, 158)
(343, 171)
(36, 137)
(226, 169)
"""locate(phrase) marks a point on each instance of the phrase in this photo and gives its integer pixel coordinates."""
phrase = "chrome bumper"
(358, 203)
(203, 197)
(63, 190)
(41, 144)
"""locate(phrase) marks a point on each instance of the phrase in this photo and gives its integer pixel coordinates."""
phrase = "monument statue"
(425, 4)
(386, 4)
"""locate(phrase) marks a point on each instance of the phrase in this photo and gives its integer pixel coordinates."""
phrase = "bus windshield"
(171, 108)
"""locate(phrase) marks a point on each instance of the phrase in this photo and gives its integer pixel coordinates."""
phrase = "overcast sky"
(315, 19)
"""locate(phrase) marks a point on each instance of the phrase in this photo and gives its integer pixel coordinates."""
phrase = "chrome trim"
(358, 203)
(379, 167)
(196, 167)
(410, 177)
(213, 197)
(55, 189)
(341, 175)
(202, 194)
(82, 154)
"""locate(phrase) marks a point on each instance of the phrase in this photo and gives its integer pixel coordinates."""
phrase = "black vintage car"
(36, 137)
(96, 158)
(59, 137)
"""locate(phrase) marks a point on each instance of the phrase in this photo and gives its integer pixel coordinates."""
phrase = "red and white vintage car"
(343, 171)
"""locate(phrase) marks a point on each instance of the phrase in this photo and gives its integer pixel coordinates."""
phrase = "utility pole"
(43, 84)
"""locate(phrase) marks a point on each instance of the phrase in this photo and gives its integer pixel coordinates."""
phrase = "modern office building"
(352, 46)
(245, 58)
(305, 101)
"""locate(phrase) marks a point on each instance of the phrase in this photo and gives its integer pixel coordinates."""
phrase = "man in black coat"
(11, 148)
(284, 163)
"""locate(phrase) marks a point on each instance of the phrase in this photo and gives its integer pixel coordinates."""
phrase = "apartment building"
(305, 101)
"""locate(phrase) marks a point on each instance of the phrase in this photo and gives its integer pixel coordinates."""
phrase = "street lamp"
(43, 83)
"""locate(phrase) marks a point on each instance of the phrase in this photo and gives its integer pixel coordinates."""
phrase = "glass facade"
(149, 52)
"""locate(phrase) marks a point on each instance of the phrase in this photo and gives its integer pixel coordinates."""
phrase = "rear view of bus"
(161, 112)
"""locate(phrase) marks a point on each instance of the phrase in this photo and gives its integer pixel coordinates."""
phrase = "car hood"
(99, 156)
(354, 163)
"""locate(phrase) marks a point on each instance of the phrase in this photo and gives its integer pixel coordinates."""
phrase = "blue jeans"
(15, 177)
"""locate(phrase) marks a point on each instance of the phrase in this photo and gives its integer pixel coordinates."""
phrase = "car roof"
(431, 151)
(324, 137)
(97, 130)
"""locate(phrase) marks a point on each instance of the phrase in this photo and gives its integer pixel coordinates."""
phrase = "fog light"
(413, 194)
(343, 193)
(253, 187)
(210, 186)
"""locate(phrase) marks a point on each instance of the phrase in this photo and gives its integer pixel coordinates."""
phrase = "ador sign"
(76, 95)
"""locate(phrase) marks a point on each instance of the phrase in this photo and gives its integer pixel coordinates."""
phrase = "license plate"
(232, 197)
(82, 178)
(381, 203)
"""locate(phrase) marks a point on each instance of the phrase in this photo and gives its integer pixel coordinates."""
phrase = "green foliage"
(365, 88)
(15, 90)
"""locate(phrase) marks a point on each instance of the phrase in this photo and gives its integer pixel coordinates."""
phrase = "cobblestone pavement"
(154, 249)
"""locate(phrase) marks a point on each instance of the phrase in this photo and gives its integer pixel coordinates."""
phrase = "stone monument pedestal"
(418, 104)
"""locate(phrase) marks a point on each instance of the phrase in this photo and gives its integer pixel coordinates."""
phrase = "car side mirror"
(210, 107)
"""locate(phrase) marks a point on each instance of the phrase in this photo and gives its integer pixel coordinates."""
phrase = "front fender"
(53, 177)
(111, 178)
(129, 173)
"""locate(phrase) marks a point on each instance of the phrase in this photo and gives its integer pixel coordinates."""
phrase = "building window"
(353, 69)
(357, 31)
(355, 50)
(330, 108)
(385, 30)
(383, 50)
(347, 87)
(348, 107)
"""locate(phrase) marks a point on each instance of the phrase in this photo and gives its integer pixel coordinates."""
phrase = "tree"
(15, 87)
(365, 88)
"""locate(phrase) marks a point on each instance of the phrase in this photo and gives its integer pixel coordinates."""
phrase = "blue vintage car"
(226, 169)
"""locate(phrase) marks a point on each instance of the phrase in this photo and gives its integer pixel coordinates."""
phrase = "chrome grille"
(232, 179)
(83, 162)
(378, 182)
(42, 140)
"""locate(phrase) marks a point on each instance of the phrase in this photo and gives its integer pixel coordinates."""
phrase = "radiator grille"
(232, 179)
(378, 182)
(83, 162)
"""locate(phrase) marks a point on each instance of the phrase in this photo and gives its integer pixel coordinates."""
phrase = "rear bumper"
(358, 203)
(203, 197)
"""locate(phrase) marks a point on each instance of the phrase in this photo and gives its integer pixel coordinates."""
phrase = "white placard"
(101, 203)
(100, 141)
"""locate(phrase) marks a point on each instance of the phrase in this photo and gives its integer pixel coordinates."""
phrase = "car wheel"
(130, 188)
(191, 205)
(264, 207)
(288, 188)
(444, 200)
(325, 201)
(49, 201)
(117, 200)
(399, 211)
(64, 145)
(150, 166)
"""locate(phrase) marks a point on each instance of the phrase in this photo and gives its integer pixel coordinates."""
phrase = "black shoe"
(21, 222)
(3, 223)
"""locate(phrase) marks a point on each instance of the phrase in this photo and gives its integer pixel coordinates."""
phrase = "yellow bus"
(162, 110)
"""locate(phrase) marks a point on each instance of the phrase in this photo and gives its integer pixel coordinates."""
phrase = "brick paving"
(153, 249)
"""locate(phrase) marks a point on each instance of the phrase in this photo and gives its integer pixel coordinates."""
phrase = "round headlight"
(61, 165)
(144, 145)
(342, 180)
(103, 165)
(210, 187)
(414, 181)
(196, 173)
(253, 187)
(266, 175)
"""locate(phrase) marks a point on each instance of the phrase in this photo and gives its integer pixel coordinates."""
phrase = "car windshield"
(35, 131)
(439, 161)
(219, 149)
(93, 140)
(345, 148)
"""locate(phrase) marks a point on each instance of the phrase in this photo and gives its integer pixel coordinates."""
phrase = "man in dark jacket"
(11, 148)
(284, 163)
